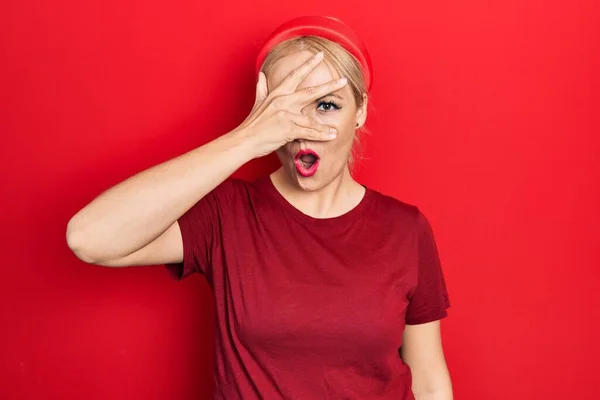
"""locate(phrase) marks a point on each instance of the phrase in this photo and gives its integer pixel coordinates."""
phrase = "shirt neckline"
(348, 216)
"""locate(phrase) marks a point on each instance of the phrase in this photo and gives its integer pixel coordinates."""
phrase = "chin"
(308, 184)
(312, 183)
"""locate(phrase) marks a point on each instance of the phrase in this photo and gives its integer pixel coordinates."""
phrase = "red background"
(485, 114)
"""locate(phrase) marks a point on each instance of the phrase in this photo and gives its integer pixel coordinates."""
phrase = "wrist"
(243, 143)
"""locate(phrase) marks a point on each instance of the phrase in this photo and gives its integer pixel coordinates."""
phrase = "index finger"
(291, 82)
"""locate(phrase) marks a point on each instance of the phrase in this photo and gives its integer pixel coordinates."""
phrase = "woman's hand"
(276, 117)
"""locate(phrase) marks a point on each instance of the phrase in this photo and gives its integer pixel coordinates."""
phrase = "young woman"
(324, 288)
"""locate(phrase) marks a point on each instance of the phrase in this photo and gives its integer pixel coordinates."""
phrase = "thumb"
(261, 88)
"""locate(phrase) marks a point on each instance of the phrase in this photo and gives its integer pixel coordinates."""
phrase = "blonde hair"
(344, 63)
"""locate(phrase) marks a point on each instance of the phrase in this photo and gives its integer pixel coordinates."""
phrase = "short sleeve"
(429, 300)
(201, 230)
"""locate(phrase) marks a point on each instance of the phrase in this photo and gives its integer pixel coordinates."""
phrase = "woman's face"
(338, 109)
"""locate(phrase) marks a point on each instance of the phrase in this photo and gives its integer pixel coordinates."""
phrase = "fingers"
(291, 82)
(304, 97)
(261, 91)
(287, 92)
(310, 129)
(310, 134)
(261, 88)
(310, 122)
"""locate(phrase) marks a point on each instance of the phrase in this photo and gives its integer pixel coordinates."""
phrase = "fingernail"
(332, 130)
(332, 136)
(319, 56)
(342, 81)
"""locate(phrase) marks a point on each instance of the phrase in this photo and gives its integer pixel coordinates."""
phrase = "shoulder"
(236, 191)
(233, 188)
(393, 209)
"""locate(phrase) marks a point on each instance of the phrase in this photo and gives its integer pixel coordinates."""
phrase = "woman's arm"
(118, 226)
(422, 351)
(135, 222)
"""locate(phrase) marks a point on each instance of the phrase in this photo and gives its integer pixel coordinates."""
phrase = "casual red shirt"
(311, 308)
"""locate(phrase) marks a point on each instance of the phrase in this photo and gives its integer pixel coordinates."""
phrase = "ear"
(361, 112)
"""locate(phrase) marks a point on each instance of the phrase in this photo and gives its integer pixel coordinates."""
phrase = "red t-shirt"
(311, 308)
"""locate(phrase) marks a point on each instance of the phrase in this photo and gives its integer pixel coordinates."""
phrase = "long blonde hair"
(344, 62)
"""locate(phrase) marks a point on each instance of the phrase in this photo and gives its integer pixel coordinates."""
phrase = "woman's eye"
(327, 106)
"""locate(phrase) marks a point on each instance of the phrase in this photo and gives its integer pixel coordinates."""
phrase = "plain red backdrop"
(485, 114)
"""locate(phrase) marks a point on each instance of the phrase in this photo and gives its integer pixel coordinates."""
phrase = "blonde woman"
(324, 288)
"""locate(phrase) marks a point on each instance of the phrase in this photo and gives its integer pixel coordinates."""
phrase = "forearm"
(131, 214)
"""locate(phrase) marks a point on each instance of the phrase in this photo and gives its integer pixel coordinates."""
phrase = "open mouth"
(307, 162)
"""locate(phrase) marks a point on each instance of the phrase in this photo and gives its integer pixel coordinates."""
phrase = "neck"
(334, 199)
